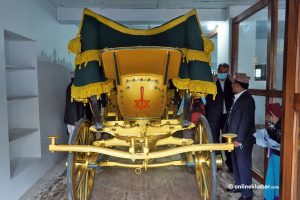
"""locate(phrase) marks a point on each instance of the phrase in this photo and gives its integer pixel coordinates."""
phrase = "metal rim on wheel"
(206, 169)
(80, 178)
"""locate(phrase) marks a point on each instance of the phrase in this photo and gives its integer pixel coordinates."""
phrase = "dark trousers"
(216, 126)
(242, 168)
(228, 160)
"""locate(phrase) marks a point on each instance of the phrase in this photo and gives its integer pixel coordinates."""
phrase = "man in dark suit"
(216, 110)
(241, 121)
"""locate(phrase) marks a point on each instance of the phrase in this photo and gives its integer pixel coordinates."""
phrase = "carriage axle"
(53, 147)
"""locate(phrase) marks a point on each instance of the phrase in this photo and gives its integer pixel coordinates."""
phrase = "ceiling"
(151, 4)
(145, 14)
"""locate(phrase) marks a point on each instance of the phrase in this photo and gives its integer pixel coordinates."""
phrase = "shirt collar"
(236, 96)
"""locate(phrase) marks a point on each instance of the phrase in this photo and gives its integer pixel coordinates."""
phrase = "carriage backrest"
(118, 62)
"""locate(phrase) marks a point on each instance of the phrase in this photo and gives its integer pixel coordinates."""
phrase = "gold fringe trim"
(188, 55)
(87, 56)
(74, 45)
(203, 86)
(192, 55)
(196, 86)
(127, 30)
(84, 92)
(208, 45)
(181, 84)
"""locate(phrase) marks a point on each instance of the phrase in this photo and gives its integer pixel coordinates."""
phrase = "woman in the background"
(273, 171)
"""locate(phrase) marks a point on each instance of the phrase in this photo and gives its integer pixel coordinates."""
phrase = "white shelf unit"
(22, 102)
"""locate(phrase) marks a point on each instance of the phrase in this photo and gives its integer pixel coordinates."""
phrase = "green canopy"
(97, 32)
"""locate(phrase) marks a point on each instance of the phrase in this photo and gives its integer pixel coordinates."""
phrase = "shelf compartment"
(21, 83)
(23, 113)
(17, 165)
(17, 98)
(26, 147)
(14, 67)
(17, 133)
(19, 50)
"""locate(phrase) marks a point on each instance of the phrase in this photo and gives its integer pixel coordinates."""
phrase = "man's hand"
(272, 118)
(236, 143)
(215, 78)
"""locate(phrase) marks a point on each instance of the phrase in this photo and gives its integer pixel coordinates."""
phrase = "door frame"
(291, 104)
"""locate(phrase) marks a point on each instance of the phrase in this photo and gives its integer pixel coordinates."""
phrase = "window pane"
(276, 100)
(252, 49)
(258, 152)
(260, 106)
(280, 47)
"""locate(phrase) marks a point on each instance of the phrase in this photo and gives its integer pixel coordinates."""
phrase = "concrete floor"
(118, 183)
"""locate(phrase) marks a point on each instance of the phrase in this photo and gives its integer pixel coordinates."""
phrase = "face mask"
(203, 100)
(222, 76)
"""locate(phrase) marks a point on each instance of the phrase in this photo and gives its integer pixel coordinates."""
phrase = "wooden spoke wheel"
(206, 169)
(80, 178)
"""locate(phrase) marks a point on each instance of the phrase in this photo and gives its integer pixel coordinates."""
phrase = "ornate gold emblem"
(142, 103)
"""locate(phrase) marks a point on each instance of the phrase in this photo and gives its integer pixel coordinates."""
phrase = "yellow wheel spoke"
(199, 179)
(79, 139)
(205, 179)
(83, 136)
(86, 186)
(77, 172)
(80, 180)
(88, 135)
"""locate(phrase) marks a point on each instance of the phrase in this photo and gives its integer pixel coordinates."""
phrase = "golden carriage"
(141, 122)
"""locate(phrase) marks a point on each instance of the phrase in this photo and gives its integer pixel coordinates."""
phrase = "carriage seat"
(141, 75)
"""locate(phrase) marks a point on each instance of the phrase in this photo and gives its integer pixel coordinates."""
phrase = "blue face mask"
(203, 100)
(222, 76)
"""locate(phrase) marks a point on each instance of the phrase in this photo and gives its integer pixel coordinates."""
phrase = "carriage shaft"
(154, 165)
(141, 156)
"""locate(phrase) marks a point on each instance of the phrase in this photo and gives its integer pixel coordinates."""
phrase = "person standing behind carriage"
(241, 121)
(273, 118)
(216, 110)
(74, 110)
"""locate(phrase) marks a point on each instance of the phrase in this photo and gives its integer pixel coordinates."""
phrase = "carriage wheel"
(80, 179)
(206, 169)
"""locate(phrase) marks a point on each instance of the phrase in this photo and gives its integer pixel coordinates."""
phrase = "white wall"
(4, 141)
(224, 42)
(51, 112)
(224, 34)
(35, 19)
